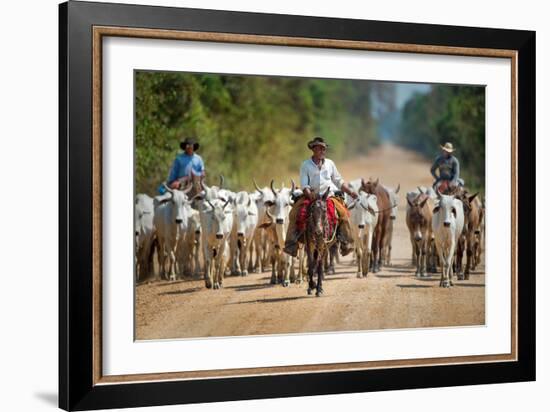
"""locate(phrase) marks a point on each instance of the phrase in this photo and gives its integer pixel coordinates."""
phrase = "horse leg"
(320, 279)
(310, 270)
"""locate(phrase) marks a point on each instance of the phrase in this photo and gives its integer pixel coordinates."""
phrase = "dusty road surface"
(392, 298)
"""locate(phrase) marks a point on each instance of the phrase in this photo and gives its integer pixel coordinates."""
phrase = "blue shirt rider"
(448, 166)
(186, 164)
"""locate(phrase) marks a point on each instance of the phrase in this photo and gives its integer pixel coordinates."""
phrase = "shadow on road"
(271, 300)
(180, 292)
(469, 285)
(414, 286)
(244, 288)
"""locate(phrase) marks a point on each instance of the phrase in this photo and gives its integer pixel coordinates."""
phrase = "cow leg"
(423, 261)
(172, 265)
(207, 267)
(274, 266)
(360, 267)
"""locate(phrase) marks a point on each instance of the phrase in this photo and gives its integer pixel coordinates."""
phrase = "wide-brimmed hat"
(189, 141)
(317, 141)
(447, 147)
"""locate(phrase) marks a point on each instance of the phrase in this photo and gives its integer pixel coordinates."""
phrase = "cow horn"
(272, 189)
(377, 181)
(257, 187)
(362, 188)
(419, 189)
(167, 188)
(293, 186)
(398, 187)
(222, 180)
(249, 201)
(188, 188)
(203, 185)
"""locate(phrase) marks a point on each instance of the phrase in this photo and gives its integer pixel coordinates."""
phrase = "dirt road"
(392, 298)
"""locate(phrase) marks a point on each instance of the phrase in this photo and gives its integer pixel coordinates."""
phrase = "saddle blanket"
(301, 218)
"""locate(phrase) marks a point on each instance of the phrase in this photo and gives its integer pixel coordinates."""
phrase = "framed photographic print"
(256, 205)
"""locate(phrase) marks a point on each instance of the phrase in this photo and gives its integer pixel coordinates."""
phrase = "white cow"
(394, 200)
(447, 225)
(171, 219)
(145, 235)
(278, 211)
(188, 251)
(245, 220)
(262, 245)
(216, 224)
(363, 220)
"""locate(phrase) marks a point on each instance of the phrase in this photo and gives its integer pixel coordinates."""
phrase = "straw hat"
(448, 147)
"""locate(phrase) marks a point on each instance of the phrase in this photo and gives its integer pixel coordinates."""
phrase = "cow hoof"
(359, 275)
(273, 281)
(460, 276)
(216, 285)
(286, 283)
(244, 273)
(445, 284)
(208, 285)
(424, 274)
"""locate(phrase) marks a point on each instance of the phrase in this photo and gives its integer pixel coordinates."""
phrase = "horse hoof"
(208, 285)
(309, 291)
(319, 293)
(273, 281)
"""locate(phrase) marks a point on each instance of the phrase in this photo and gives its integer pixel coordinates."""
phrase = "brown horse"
(319, 237)
(381, 231)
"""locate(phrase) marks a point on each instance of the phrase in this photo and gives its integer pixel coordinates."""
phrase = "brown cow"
(419, 222)
(473, 215)
(381, 229)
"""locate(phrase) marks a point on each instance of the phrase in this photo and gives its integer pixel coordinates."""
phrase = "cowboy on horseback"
(187, 168)
(317, 176)
(449, 170)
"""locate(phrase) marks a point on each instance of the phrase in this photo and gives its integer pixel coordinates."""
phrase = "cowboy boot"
(344, 237)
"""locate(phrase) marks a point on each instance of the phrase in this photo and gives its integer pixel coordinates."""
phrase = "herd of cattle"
(212, 230)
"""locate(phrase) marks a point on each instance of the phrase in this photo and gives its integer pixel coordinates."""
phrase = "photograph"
(272, 205)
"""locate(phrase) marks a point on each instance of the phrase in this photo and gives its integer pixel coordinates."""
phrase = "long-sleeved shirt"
(184, 165)
(318, 178)
(449, 168)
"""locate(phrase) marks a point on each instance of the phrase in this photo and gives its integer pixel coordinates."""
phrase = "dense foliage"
(453, 114)
(247, 126)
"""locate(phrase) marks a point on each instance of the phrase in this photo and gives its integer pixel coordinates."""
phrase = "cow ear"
(423, 202)
(409, 202)
(471, 198)
(398, 187)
